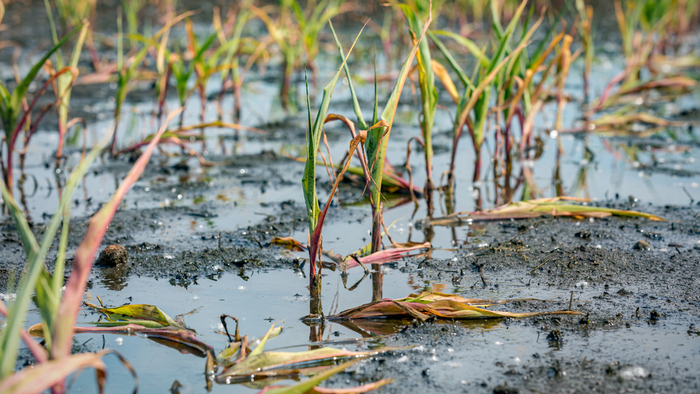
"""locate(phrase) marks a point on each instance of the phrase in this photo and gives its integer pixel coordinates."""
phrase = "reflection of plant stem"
(316, 310)
(377, 282)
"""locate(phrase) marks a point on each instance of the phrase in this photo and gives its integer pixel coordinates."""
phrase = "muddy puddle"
(198, 239)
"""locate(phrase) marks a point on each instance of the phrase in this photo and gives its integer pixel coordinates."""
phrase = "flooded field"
(208, 224)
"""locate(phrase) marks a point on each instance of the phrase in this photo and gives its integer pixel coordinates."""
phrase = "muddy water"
(467, 354)
(253, 193)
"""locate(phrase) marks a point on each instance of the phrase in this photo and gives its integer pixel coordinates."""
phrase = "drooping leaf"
(43, 376)
(556, 206)
(141, 314)
(288, 243)
(268, 364)
(310, 386)
(427, 305)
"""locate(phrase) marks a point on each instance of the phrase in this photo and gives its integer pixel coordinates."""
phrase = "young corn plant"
(378, 138)
(296, 35)
(230, 47)
(429, 96)
(11, 105)
(64, 82)
(313, 143)
(132, 9)
(59, 308)
(203, 69)
(127, 72)
(473, 105)
(72, 13)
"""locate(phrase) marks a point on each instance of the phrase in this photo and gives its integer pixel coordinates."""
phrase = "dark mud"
(642, 308)
(200, 236)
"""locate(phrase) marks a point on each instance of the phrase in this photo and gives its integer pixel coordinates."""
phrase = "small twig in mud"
(689, 196)
(571, 300)
(219, 239)
(549, 257)
(237, 336)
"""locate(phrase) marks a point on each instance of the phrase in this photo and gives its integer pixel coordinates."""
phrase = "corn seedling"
(63, 84)
(378, 138)
(473, 106)
(429, 95)
(131, 10)
(127, 71)
(35, 277)
(11, 105)
(230, 47)
(313, 142)
(244, 363)
(296, 34)
(72, 13)
(58, 308)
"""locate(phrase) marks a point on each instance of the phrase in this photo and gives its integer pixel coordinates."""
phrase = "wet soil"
(200, 236)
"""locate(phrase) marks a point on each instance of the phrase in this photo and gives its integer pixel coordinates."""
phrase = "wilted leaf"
(429, 297)
(427, 305)
(555, 206)
(141, 314)
(181, 339)
(275, 364)
(41, 377)
(288, 243)
(309, 386)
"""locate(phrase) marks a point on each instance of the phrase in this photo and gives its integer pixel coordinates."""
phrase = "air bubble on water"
(242, 288)
(553, 134)
(119, 341)
(633, 372)
(147, 189)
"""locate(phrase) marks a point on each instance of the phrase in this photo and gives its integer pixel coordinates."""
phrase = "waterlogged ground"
(198, 240)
